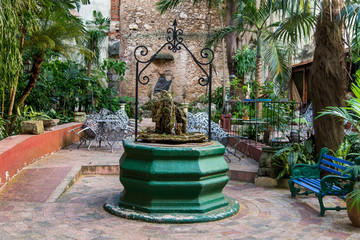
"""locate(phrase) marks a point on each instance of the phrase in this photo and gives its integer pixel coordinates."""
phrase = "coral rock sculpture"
(181, 120)
(163, 113)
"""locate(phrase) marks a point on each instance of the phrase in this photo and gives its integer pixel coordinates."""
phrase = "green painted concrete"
(112, 206)
(173, 179)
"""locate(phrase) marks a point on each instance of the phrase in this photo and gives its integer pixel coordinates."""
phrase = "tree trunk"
(14, 87)
(258, 75)
(328, 77)
(258, 80)
(89, 69)
(231, 39)
(34, 75)
(2, 102)
(12, 96)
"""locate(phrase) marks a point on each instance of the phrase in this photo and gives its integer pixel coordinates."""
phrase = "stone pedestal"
(32, 127)
(49, 124)
(167, 183)
(79, 117)
(266, 167)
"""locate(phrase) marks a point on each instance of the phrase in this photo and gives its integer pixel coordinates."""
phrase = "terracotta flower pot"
(354, 213)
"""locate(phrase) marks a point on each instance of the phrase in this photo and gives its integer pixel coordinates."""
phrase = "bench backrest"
(332, 164)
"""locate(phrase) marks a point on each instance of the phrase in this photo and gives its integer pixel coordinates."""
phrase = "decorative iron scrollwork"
(174, 38)
(143, 52)
(145, 80)
(174, 43)
(203, 81)
(208, 54)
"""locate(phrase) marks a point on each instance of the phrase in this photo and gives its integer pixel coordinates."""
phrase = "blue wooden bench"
(335, 184)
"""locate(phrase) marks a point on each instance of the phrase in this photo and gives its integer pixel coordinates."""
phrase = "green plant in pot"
(353, 198)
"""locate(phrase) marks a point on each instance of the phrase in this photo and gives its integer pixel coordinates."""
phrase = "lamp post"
(27, 65)
(109, 75)
(122, 103)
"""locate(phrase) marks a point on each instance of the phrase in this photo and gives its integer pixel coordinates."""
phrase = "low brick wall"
(248, 147)
(19, 151)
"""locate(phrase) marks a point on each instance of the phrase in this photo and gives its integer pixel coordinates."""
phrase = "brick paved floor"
(78, 213)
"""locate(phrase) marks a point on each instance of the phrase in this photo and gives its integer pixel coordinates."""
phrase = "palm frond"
(296, 26)
(276, 55)
(218, 34)
(164, 5)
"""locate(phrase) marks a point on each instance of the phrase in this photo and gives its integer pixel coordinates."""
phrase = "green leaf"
(292, 158)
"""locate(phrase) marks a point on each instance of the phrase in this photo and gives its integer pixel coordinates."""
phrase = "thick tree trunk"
(328, 77)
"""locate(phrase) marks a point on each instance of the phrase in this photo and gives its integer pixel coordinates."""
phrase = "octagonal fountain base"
(173, 183)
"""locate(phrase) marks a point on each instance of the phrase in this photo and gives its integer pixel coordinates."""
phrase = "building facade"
(138, 22)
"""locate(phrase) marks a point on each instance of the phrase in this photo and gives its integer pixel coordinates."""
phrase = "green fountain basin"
(173, 183)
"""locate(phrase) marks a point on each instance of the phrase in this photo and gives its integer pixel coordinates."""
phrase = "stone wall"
(137, 22)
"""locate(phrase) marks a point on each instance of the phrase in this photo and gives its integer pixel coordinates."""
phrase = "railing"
(266, 121)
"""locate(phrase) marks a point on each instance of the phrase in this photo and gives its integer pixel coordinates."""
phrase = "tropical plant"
(130, 106)
(253, 18)
(119, 67)
(28, 113)
(349, 113)
(343, 150)
(217, 99)
(42, 25)
(245, 59)
(54, 34)
(353, 198)
(3, 133)
(95, 37)
(292, 154)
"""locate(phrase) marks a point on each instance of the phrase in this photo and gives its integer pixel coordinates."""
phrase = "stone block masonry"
(136, 22)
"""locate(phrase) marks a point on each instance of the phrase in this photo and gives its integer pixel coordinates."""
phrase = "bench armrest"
(302, 170)
(344, 183)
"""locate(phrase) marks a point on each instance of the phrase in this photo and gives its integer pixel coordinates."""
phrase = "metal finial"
(175, 23)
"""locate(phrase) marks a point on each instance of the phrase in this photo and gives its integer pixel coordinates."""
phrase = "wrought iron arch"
(174, 43)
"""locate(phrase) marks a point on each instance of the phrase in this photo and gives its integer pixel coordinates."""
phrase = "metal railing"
(266, 121)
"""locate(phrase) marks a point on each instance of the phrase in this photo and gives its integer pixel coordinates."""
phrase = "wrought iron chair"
(113, 130)
(129, 126)
(88, 132)
(105, 127)
(199, 123)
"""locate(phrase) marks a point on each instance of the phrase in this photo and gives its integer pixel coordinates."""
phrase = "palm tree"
(17, 20)
(254, 19)
(328, 78)
(95, 37)
(56, 33)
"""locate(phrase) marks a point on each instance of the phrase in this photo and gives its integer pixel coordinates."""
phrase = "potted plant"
(353, 198)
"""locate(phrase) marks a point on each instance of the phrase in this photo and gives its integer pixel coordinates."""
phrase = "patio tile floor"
(33, 206)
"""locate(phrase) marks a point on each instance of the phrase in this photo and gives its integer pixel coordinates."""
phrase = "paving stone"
(78, 213)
